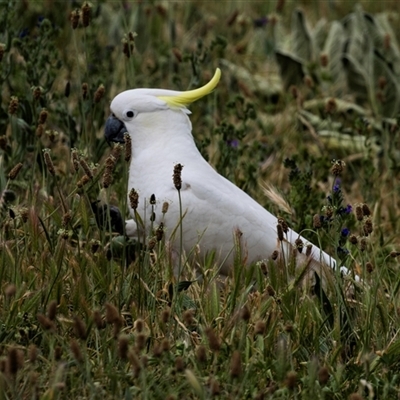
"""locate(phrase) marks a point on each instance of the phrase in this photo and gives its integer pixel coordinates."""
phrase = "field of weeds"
(307, 86)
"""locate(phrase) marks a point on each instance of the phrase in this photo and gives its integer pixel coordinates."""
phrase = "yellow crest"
(184, 98)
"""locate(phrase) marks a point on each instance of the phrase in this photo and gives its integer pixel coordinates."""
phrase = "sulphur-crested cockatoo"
(214, 209)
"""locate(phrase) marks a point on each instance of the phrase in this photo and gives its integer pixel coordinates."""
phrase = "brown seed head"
(309, 81)
(37, 92)
(177, 176)
(353, 239)
(363, 244)
(366, 210)
(259, 328)
(15, 171)
(284, 224)
(141, 340)
(308, 250)
(236, 364)
(274, 255)
(289, 327)
(49, 162)
(328, 211)
(79, 328)
(85, 90)
(299, 245)
(128, 147)
(13, 106)
(67, 89)
(74, 18)
(245, 313)
(86, 9)
(264, 268)
(123, 347)
(15, 361)
(331, 106)
(337, 167)
(58, 353)
(133, 199)
(99, 94)
(324, 60)
(10, 290)
(66, 219)
(43, 116)
(317, 221)
(270, 291)
(98, 320)
(188, 318)
(369, 267)
(52, 310)
(323, 376)
(394, 254)
(165, 207)
(83, 181)
(75, 159)
(368, 227)
(165, 316)
(179, 364)
(32, 353)
(76, 351)
(45, 322)
(201, 354)
(112, 313)
(160, 232)
(279, 230)
(213, 340)
(215, 388)
(291, 380)
(355, 396)
(86, 168)
(359, 213)
(139, 325)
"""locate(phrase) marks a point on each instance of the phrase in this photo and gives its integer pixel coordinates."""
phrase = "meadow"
(305, 120)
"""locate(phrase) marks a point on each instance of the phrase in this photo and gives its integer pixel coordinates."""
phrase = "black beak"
(114, 130)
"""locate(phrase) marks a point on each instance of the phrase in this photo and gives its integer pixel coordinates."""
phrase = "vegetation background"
(87, 313)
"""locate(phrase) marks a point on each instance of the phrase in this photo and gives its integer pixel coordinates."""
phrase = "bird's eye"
(128, 114)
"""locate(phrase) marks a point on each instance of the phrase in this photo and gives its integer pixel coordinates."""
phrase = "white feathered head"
(128, 105)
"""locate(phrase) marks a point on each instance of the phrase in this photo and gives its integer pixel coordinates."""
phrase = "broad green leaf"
(301, 37)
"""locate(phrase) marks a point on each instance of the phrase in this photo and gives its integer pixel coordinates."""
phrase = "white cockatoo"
(214, 209)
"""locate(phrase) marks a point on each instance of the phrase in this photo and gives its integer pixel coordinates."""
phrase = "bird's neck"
(165, 137)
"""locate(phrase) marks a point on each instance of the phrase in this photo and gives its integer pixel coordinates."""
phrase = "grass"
(85, 313)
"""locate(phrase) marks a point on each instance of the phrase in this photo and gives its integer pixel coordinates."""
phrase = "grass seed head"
(45, 322)
(52, 310)
(245, 313)
(323, 376)
(10, 290)
(317, 221)
(76, 350)
(15, 171)
(83, 181)
(279, 230)
(299, 245)
(259, 328)
(165, 207)
(128, 147)
(32, 353)
(337, 167)
(98, 320)
(201, 354)
(49, 162)
(13, 105)
(85, 90)
(74, 18)
(291, 380)
(43, 116)
(179, 364)
(133, 199)
(99, 94)
(308, 250)
(112, 313)
(213, 340)
(236, 364)
(177, 176)
(123, 347)
(80, 328)
(353, 239)
(86, 11)
(15, 361)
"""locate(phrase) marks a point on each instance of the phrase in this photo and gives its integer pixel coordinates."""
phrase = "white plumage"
(214, 208)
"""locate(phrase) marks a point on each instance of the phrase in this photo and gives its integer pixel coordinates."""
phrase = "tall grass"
(88, 313)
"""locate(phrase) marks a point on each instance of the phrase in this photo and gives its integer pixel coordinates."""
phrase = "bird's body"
(214, 209)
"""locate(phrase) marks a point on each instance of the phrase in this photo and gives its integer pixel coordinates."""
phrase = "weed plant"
(87, 313)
